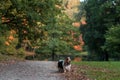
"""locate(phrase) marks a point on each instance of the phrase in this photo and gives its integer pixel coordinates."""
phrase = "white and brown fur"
(64, 65)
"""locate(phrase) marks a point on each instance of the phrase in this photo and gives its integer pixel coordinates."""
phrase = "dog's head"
(67, 61)
(68, 58)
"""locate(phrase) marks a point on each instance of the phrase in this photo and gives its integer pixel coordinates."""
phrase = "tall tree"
(58, 38)
(100, 15)
(112, 44)
(112, 35)
(94, 30)
(40, 23)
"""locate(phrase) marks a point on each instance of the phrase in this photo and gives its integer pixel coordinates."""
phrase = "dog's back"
(61, 65)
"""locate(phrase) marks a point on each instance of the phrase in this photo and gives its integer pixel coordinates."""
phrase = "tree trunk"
(53, 55)
(106, 58)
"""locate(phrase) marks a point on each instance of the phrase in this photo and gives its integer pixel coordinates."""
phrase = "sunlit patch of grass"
(100, 70)
(4, 58)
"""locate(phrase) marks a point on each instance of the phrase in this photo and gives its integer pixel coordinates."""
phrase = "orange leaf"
(11, 37)
(7, 43)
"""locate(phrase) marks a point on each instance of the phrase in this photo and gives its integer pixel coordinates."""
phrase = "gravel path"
(30, 70)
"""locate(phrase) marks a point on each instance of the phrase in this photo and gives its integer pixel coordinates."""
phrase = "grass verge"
(6, 58)
(99, 70)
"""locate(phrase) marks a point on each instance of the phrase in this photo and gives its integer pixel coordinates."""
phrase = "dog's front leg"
(64, 69)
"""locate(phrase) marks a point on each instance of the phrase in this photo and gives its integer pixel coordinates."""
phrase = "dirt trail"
(30, 70)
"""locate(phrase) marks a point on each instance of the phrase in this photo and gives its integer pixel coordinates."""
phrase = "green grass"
(100, 70)
(4, 58)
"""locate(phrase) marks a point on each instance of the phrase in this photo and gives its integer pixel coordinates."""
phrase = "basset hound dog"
(64, 65)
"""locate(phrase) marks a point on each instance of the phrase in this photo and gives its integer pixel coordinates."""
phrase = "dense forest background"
(48, 28)
(101, 33)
